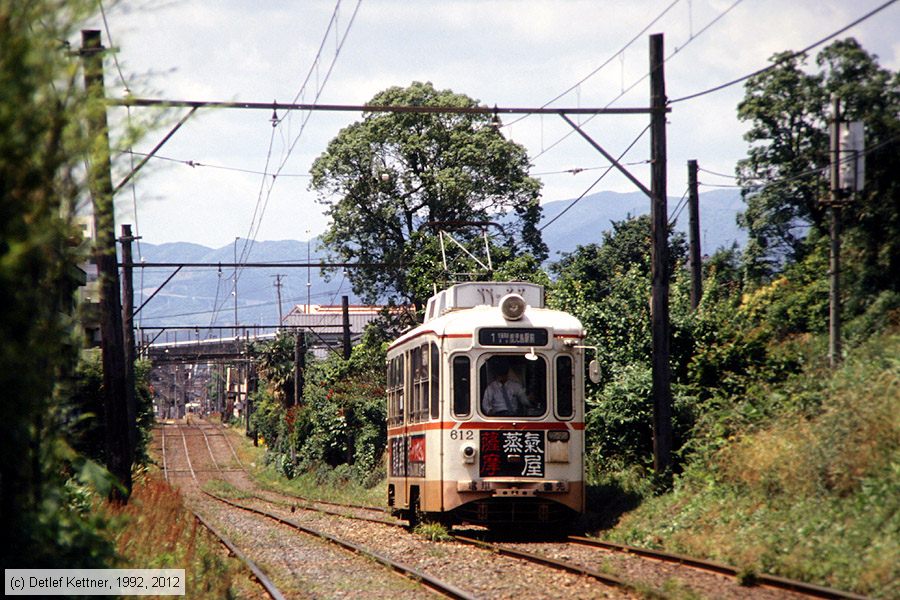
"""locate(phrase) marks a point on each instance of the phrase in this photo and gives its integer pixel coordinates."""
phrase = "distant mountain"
(204, 296)
(586, 220)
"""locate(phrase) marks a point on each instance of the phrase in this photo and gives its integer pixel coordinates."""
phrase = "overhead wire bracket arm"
(155, 149)
(608, 156)
(158, 290)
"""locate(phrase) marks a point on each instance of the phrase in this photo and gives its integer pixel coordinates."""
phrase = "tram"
(486, 410)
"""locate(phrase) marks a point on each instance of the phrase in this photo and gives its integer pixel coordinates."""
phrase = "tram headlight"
(468, 452)
(512, 306)
(558, 436)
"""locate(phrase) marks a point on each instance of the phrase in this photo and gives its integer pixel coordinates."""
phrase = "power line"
(607, 61)
(786, 58)
(197, 164)
(644, 77)
(590, 187)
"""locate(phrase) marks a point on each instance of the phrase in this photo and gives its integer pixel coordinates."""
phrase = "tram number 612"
(456, 434)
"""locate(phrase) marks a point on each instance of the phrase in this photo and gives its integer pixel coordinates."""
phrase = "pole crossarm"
(608, 156)
(480, 110)
(158, 290)
(154, 151)
(265, 265)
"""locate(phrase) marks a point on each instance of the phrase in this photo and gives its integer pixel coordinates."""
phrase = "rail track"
(550, 554)
(770, 581)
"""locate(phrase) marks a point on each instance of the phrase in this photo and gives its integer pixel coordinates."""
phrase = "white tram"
(486, 410)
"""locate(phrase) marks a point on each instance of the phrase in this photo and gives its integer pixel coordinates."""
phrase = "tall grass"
(811, 494)
(156, 531)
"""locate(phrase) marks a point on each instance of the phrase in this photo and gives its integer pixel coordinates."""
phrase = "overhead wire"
(605, 63)
(590, 187)
(195, 164)
(785, 58)
(645, 76)
(262, 204)
(132, 182)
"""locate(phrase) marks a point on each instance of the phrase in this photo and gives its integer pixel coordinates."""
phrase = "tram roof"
(458, 320)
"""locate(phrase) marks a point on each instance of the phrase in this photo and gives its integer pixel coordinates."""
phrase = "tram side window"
(462, 403)
(435, 380)
(419, 365)
(395, 391)
(564, 386)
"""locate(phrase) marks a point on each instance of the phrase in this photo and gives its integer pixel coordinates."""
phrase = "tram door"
(397, 426)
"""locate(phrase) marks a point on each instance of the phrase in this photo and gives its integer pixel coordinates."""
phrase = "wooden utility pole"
(299, 364)
(278, 285)
(128, 334)
(694, 236)
(659, 257)
(345, 310)
(119, 455)
(834, 326)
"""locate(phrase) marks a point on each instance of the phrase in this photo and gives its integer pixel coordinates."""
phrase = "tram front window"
(512, 386)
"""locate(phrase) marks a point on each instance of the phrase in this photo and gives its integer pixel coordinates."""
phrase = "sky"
(213, 182)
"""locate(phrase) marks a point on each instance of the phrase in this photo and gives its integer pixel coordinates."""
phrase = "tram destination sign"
(512, 336)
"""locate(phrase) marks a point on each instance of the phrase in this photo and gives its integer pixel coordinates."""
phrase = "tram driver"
(504, 395)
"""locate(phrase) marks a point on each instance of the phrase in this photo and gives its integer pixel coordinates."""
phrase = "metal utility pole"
(659, 257)
(345, 310)
(694, 236)
(119, 453)
(834, 313)
(128, 333)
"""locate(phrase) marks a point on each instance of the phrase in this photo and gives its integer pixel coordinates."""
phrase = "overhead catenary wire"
(261, 205)
(590, 187)
(644, 77)
(786, 58)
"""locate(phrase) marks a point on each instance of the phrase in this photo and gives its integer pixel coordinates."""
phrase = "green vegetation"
(156, 531)
(338, 427)
(435, 532)
(386, 177)
(45, 496)
(810, 491)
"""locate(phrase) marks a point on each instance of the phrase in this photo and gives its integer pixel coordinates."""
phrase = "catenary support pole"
(119, 459)
(694, 236)
(128, 334)
(345, 311)
(659, 302)
(834, 297)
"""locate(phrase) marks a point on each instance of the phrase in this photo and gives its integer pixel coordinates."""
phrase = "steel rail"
(304, 504)
(547, 561)
(187, 454)
(775, 581)
(261, 577)
(449, 590)
(165, 468)
(209, 448)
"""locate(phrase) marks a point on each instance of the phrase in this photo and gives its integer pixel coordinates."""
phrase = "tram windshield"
(513, 386)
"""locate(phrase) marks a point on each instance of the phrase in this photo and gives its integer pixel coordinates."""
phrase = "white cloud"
(505, 52)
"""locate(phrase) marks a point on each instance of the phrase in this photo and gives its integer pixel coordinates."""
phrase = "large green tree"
(785, 176)
(385, 177)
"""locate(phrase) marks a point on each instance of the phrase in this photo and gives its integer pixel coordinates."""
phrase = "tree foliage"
(42, 149)
(386, 177)
(789, 111)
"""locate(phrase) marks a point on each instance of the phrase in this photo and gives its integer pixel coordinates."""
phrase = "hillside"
(203, 296)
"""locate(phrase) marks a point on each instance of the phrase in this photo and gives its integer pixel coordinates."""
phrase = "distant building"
(326, 322)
